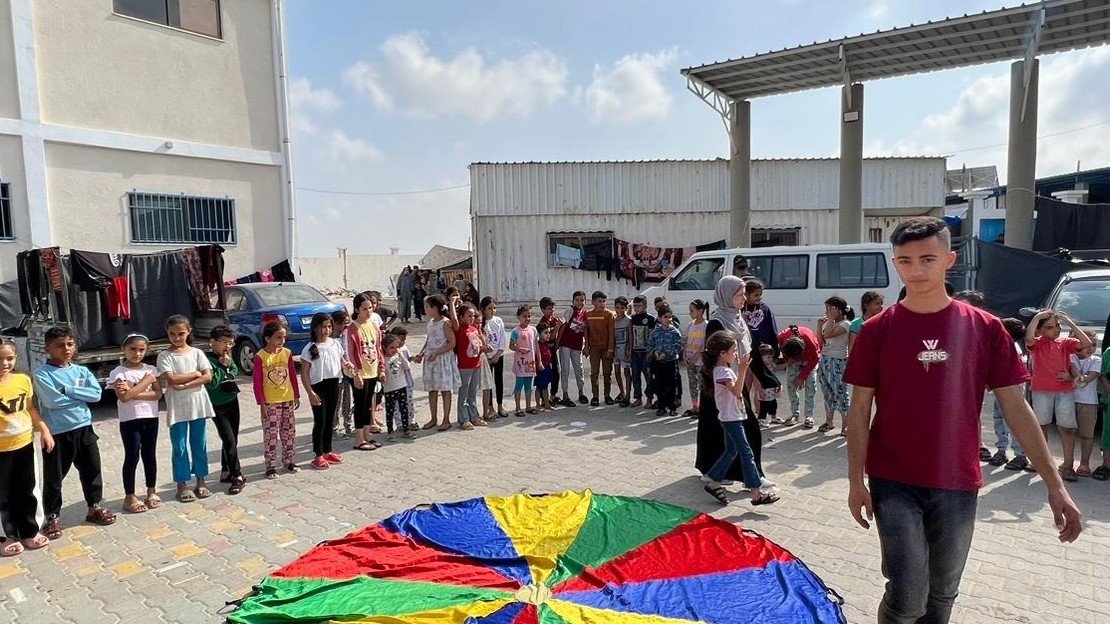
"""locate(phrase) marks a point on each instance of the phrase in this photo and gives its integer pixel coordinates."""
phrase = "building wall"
(103, 71)
(666, 204)
(88, 189)
(9, 93)
(696, 186)
(11, 171)
(364, 271)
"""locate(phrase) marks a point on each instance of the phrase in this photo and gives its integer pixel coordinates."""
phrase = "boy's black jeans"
(76, 448)
(665, 374)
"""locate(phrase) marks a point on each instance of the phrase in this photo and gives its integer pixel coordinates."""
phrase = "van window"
(852, 270)
(783, 272)
(700, 274)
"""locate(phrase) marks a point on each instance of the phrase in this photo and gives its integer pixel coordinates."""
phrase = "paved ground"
(181, 563)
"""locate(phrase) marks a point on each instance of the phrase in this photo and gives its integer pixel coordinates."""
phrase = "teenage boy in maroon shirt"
(924, 363)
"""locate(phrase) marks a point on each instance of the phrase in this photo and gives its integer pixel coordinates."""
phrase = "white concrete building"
(132, 126)
(522, 212)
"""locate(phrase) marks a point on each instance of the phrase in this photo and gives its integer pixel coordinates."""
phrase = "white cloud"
(342, 149)
(305, 103)
(1072, 89)
(411, 79)
(878, 10)
(632, 89)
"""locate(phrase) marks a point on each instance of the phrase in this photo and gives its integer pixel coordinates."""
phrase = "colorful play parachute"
(554, 559)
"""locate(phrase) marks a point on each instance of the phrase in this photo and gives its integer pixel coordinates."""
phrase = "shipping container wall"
(695, 186)
(512, 259)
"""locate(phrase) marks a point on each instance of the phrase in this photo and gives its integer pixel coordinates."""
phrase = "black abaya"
(711, 437)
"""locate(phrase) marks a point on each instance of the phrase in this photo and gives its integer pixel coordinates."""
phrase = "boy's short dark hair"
(546, 302)
(659, 300)
(399, 330)
(793, 347)
(921, 228)
(522, 309)
(57, 333)
(340, 316)
(597, 295)
(639, 299)
(221, 332)
(578, 293)
(972, 297)
(621, 301)
(664, 310)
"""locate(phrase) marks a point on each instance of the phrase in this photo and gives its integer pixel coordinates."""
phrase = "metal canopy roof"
(989, 37)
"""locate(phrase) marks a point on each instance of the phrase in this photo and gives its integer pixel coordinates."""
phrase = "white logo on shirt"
(931, 354)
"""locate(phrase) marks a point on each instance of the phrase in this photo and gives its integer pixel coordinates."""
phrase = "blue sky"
(393, 96)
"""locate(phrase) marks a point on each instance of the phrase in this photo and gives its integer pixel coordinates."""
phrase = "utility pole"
(343, 256)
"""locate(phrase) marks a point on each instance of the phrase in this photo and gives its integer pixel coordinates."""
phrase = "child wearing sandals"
(470, 351)
(64, 391)
(137, 390)
(322, 363)
(223, 392)
(410, 381)
(344, 416)
(184, 372)
(278, 395)
(441, 369)
(721, 356)
(523, 344)
(396, 387)
(544, 374)
(19, 420)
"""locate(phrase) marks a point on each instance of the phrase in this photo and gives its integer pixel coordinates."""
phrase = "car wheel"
(244, 356)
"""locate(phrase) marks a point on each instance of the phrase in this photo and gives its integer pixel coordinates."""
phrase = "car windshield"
(1086, 301)
(288, 294)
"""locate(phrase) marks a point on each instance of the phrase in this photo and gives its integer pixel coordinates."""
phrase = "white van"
(797, 280)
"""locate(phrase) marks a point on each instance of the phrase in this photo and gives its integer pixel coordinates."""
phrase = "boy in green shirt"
(223, 391)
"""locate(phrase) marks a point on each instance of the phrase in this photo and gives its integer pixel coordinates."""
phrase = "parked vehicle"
(251, 306)
(797, 280)
(1084, 295)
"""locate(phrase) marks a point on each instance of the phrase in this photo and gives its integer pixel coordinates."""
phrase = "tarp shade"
(1011, 279)
(158, 290)
(1071, 226)
(10, 313)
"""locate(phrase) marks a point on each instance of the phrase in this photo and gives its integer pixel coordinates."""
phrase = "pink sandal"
(36, 542)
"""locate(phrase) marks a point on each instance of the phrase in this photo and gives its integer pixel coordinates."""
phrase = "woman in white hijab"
(728, 298)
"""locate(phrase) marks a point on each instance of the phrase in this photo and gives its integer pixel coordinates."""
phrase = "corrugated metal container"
(666, 204)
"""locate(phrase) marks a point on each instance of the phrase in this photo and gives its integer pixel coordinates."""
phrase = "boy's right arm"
(49, 395)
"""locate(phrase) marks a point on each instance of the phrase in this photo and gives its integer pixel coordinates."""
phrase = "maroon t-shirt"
(574, 332)
(929, 372)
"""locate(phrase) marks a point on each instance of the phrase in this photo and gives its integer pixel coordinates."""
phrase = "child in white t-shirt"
(138, 390)
(1088, 367)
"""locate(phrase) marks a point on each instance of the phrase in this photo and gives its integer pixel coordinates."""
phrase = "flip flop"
(365, 446)
(11, 548)
(430, 425)
(185, 496)
(374, 443)
(766, 498)
(202, 492)
(36, 542)
(137, 506)
(153, 501)
(444, 427)
(1102, 473)
(718, 492)
(1083, 471)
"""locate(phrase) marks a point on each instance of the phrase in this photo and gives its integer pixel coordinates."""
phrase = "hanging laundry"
(283, 272)
(266, 275)
(212, 264)
(105, 272)
(655, 264)
(566, 255)
(49, 258)
(199, 290)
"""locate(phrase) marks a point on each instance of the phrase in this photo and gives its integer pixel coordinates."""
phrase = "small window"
(198, 16)
(852, 270)
(875, 235)
(576, 249)
(172, 219)
(701, 274)
(775, 237)
(785, 272)
(7, 230)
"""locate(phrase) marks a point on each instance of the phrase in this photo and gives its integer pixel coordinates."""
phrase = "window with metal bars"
(7, 230)
(170, 219)
(875, 235)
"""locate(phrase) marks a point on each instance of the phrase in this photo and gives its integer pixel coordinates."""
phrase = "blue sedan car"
(251, 306)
